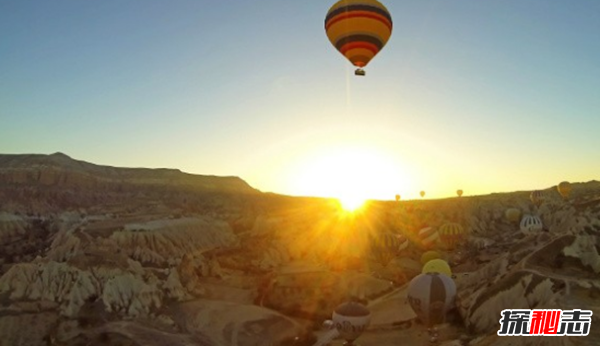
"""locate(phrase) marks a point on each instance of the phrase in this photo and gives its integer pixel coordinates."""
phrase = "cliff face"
(61, 170)
(41, 183)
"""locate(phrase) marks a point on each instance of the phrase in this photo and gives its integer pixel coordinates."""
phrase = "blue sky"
(479, 95)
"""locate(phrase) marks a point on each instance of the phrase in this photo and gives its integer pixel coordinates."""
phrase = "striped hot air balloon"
(431, 296)
(359, 29)
(428, 237)
(386, 246)
(531, 224)
(537, 197)
(451, 234)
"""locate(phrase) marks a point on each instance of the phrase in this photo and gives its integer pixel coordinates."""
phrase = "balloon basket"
(359, 72)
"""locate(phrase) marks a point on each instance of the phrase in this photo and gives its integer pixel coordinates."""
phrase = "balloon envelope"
(351, 319)
(359, 29)
(385, 246)
(397, 197)
(531, 224)
(513, 214)
(422, 193)
(428, 236)
(459, 193)
(431, 296)
(437, 266)
(564, 188)
(451, 234)
(537, 197)
(428, 256)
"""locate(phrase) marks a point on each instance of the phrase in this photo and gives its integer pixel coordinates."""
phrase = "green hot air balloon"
(385, 246)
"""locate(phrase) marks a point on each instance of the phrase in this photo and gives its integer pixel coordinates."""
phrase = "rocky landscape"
(97, 255)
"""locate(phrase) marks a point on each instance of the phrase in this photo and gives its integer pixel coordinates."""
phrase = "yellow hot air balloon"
(437, 266)
(397, 198)
(359, 29)
(564, 188)
(459, 193)
(422, 193)
(428, 256)
(451, 234)
(513, 214)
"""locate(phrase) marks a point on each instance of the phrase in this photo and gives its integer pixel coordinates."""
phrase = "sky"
(484, 96)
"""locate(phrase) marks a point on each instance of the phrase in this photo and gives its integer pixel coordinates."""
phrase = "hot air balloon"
(397, 198)
(437, 266)
(531, 224)
(431, 296)
(428, 237)
(359, 29)
(428, 256)
(513, 214)
(351, 319)
(422, 193)
(564, 188)
(386, 246)
(451, 234)
(537, 197)
(459, 193)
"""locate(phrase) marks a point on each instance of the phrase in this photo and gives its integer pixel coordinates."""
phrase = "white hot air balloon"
(351, 319)
(531, 224)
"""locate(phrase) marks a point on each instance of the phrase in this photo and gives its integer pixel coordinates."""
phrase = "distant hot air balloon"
(459, 193)
(531, 224)
(537, 197)
(351, 319)
(359, 29)
(564, 188)
(422, 193)
(513, 214)
(451, 234)
(428, 256)
(386, 246)
(428, 237)
(431, 296)
(397, 198)
(437, 266)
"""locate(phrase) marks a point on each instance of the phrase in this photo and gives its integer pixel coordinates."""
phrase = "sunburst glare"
(351, 174)
(351, 203)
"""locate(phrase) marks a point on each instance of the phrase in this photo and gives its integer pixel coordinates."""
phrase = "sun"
(351, 203)
(350, 174)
